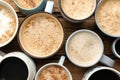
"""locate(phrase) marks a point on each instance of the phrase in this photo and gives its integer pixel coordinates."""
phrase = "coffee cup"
(77, 10)
(16, 66)
(54, 71)
(115, 48)
(107, 17)
(8, 23)
(41, 34)
(102, 73)
(30, 6)
(85, 48)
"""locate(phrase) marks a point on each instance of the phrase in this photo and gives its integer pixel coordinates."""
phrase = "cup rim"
(96, 20)
(99, 69)
(3, 3)
(11, 55)
(71, 19)
(52, 64)
(74, 33)
(113, 48)
(47, 56)
(26, 8)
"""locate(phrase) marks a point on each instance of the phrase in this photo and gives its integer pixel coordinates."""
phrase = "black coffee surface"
(104, 75)
(117, 47)
(13, 69)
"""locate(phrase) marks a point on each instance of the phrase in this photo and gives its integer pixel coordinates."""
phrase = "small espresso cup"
(85, 48)
(41, 34)
(8, 23)
(16, 66)
(77, 11)
(102, 73)
(30, 6)
(54, 71)
(116, 48)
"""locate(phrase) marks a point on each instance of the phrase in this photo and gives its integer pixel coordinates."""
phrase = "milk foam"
(7, 24)
(84, 48)
(28, 4)
(53, 73)
(42, 35)
(78, 9)
(108, 17)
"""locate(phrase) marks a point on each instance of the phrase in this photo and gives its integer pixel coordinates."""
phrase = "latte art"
(7, 24)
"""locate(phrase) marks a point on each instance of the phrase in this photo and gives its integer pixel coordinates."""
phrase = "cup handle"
(107, 61)
(61, 61)
(1, 55)
(49, 6)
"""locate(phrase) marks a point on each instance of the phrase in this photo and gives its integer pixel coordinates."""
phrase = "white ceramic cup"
(102, 58)
(2, 2)
(89, 73)
(28, 61)
(114, 48)
(60, 63)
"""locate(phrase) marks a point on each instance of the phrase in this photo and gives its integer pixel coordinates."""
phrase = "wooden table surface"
(69, 28)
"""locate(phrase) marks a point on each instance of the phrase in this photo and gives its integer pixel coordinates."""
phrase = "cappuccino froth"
(7, 24)
(53, 73)
(78, 9)
(28, 4)
(108, 17)
(41, 35)
(84, 48)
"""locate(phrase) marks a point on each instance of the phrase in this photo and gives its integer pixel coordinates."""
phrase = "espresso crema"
(78, 9)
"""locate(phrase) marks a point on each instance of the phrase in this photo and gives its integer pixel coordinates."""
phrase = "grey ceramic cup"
(39, 7)
(71, 19)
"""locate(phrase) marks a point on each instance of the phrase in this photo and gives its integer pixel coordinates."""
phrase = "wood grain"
(69, 28)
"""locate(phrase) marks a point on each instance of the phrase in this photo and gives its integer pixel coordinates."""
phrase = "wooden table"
(69, 27)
